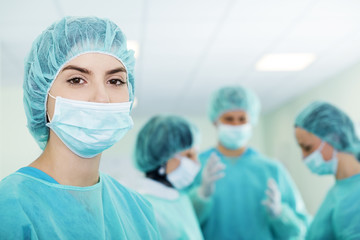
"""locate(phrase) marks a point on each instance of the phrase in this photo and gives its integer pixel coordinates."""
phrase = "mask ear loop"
(51, 96)
(162, 169)
(47, 113)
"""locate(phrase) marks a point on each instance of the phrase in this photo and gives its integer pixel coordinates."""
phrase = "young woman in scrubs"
(78, 93)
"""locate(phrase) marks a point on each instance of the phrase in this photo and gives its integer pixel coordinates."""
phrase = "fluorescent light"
(285, 62)
(133, 45)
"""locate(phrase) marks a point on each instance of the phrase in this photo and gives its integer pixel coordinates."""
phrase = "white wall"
(341, 90)
(18, 148)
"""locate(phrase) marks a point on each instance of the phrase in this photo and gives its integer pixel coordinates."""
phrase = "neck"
(348, 166)
(66, 167)
(229, 152)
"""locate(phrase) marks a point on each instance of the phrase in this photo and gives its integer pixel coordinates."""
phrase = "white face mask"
(317, 164)
(88, 128)
(234, 137)
(184, 174)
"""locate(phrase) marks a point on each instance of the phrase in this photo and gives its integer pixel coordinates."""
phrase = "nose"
(238, 122)
(100, 94)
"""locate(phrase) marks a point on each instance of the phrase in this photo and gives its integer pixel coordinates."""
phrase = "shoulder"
(349, 193)
(12, 186)
(13, 218)
(347, 212)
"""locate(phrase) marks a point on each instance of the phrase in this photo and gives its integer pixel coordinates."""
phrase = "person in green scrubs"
(166, 151)
(257, 198)
(329, 146)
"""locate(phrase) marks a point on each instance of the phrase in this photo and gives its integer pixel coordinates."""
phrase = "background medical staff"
(257, 198)
(166, 151)
(78, 92)
(329, 146)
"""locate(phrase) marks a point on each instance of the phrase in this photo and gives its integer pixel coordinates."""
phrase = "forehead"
(95, 60)
(235, 113)
(304, 136)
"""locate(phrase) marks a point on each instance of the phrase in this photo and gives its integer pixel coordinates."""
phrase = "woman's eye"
(76, 81)
(117, 82)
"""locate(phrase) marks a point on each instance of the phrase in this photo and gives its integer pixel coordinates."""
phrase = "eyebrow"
(86, 71)
(116, 70)
(80, 69)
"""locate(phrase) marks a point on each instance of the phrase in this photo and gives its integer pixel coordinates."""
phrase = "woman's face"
(234, 118)
(91, 77)
(309, 143)
(174, 163)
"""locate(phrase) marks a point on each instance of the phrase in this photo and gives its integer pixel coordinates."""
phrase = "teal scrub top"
(339, 215)
(173, 211)
(235, 210)
(32, 206)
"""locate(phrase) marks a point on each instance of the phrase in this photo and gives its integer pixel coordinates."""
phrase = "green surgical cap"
(57, 45)
(331, 125)
(161, 138)
(233, 98)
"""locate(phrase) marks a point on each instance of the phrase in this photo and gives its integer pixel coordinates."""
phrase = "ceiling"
(187, 49)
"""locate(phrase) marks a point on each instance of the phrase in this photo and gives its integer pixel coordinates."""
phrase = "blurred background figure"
(329, 146)
(166, 151)
(257, 198)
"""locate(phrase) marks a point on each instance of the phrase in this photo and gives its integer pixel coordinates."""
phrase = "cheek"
(172, 164)
(120, 95)
(327, 153)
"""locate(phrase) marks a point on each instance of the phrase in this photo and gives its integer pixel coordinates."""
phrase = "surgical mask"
(89, 128)
(316, 163)
(184, 174)
(234, 137)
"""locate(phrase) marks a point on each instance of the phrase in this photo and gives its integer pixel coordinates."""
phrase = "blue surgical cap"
(57, 45)
(234, 98)
(331, 125)
(161, 138)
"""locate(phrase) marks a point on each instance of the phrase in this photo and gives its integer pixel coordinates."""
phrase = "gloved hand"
(212, 171)
(273, 201)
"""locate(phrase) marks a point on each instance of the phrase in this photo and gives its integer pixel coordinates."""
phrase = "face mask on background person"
(89, 128)
(184, 174)
(317, 164)
(234, 137)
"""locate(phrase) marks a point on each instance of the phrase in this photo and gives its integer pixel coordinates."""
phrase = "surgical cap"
(233, 98)
(161, 138)
(331, 125)
(57, 45)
